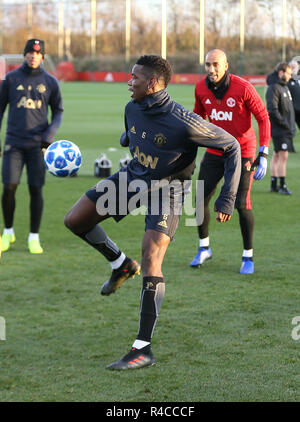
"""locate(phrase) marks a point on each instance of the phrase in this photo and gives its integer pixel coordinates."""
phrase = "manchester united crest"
(160, 139)
(231, 102)
(41, 88)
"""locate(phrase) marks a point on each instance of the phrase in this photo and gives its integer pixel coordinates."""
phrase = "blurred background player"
(229, 102)
(163, 139)
(294, 87)
(283, 128)
(28, 90)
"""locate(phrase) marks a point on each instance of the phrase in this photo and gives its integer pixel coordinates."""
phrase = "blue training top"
(163, 138)
(29, 92)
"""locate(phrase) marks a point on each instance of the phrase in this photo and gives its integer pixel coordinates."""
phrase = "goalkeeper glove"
(260, 163)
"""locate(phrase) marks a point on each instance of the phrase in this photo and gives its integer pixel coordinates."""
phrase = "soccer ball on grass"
(62, 158)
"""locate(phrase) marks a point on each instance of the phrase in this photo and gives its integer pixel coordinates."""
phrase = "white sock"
(118, 262)
(204, 243)
(8, 231)
(33, 236)
(248, 253)
(139, 344)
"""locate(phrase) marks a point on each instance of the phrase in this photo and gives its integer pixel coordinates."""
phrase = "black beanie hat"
(35, 45)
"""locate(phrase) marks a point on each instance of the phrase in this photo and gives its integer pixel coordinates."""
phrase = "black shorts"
(13, 161)
(212, 171)
(162, 206)
(283, 144)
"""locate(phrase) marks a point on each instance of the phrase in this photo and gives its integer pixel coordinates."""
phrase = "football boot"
(284, 191)
(247, 266)
(34, 246)
(7, 240)
(202, 255)
(129, 268)
(135, 359)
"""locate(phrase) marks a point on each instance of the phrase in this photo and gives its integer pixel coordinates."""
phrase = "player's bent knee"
(71, 222)
(68, 221)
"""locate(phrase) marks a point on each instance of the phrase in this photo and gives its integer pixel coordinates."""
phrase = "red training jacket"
(234, 113)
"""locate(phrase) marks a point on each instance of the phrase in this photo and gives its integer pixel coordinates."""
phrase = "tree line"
(263, 32)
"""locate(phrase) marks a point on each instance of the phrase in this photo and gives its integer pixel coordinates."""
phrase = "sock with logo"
(152, 295)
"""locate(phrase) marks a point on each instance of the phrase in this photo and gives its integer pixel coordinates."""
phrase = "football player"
(229, 102)
(283, 128)
(163, 139)
(29, 91)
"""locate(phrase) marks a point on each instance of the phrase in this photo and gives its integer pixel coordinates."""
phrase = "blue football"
(63, 158)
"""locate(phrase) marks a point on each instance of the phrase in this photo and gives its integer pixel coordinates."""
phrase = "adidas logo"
(20, 88)
(163, 224)
(138, 359)
(132, 130)
(207, 101)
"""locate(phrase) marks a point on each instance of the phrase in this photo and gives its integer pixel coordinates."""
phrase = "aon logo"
(144, 159)
(220, 115)
(29, 103)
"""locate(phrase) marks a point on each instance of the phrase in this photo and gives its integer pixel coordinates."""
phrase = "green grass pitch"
(220, 336)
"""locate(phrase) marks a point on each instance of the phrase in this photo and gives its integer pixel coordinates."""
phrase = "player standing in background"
(294, 87)
(163, 139)
(29, 90)
(283, 129)
(229, 102)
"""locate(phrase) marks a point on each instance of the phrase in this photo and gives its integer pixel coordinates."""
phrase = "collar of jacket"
(272, 78)
(157, 102)
(29, 70)
(281, 82)
(219, 89)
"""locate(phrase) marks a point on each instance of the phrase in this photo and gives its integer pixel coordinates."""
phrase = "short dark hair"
(282, 66)
(156, 66)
